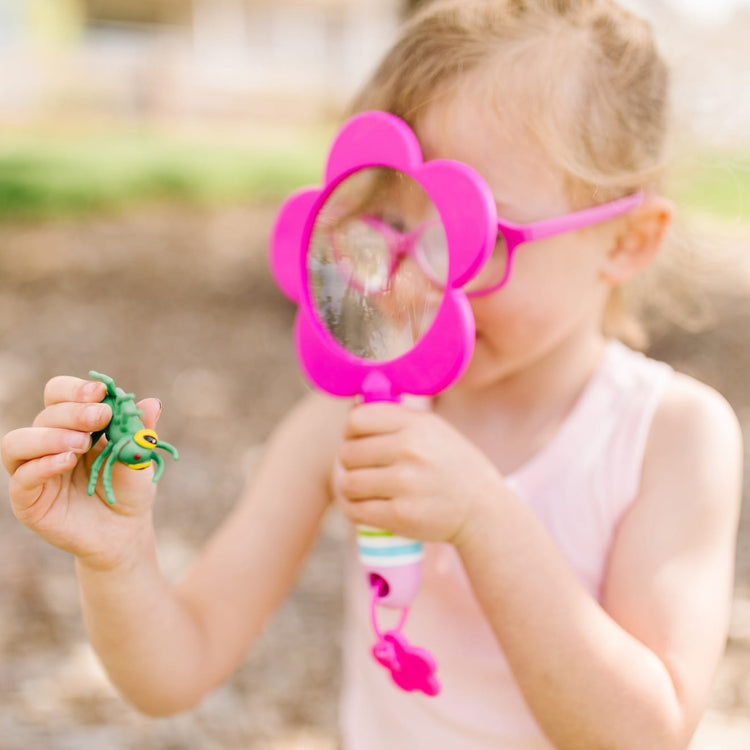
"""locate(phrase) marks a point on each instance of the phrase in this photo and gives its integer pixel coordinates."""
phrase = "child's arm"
(637, 671)
(633, 672)
(165, 647)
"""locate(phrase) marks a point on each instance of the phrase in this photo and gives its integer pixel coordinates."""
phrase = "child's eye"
(395, 222)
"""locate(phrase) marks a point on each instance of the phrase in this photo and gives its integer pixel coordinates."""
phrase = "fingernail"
(96, 413)
(91, 390)
(78, 441)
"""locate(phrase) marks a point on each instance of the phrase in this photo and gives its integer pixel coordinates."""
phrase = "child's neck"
(517, 415)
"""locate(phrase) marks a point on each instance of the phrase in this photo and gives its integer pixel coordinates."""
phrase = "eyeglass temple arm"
(540, 230)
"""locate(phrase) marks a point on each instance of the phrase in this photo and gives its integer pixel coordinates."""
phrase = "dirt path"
(179, 304)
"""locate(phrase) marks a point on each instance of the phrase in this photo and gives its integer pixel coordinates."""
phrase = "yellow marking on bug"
(139, 466)
(146, 438)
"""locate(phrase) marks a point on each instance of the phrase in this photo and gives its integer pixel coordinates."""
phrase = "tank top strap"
(613, 415)
(641, 383)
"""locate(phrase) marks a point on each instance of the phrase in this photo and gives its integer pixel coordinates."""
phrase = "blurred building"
(710, 66)
(292, 59)
(142, 58)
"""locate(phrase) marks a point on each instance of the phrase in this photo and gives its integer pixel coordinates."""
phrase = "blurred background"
(144, 148)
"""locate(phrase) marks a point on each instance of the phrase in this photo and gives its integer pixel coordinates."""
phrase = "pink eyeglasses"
(368, 250)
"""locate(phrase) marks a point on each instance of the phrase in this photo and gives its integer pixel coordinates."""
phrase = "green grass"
(64, 174)
(43, 176)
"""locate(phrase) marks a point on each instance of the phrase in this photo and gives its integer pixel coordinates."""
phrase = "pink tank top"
(580, 485)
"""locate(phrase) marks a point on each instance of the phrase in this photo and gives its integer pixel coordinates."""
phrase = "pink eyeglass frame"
(400, 245)
(517, 234)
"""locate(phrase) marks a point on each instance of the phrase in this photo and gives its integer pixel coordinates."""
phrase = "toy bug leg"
(109, 382)
(96, 466)
(169, 449)
(159, 461)
(109, 492)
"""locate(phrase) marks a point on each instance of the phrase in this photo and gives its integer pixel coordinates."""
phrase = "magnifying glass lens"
(377, 263)
(363, 255)
(432, 253)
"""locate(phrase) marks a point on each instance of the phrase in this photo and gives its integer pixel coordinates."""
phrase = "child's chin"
(477, 374)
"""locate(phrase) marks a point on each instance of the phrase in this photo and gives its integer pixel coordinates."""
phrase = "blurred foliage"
(68, 174)
(715, 182)
(49, 176)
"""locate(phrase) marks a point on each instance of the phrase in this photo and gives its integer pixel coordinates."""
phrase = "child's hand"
(411, 473)
(49, 466)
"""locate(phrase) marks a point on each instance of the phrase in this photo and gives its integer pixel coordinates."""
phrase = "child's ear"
(639, 239)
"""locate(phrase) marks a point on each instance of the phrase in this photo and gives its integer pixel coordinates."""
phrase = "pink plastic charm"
(412, 668)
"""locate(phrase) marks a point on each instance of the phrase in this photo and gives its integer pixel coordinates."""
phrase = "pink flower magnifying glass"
(380, 260)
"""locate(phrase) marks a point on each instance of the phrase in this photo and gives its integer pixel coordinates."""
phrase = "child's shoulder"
(690, 409)
(686, 406)
(695, 441)
(684, 518)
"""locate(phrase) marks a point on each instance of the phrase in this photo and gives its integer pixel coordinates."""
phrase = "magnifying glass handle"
(393, 562)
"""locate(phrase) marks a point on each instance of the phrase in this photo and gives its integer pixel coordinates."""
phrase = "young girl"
(579, 501)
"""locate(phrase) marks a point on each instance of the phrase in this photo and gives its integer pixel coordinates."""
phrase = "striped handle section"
(382, 548)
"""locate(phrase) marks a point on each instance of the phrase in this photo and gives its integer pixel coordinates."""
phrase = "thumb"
(151, 408)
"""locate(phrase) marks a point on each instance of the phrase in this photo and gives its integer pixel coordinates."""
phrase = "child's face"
(556, 290)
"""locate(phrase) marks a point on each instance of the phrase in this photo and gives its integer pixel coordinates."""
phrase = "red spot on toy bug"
(137, 456)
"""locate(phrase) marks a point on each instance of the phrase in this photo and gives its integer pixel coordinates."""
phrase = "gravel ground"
(179, 304)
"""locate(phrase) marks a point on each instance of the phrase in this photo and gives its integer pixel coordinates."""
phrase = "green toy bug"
(128, 440)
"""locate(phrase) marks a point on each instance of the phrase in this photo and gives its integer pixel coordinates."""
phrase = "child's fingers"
(151, 408)
(373, 419)
(377, 450)
(75, 416)
(375, 512)
(366, 484)
(66, 388)
(29, 443)
(27, 483)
